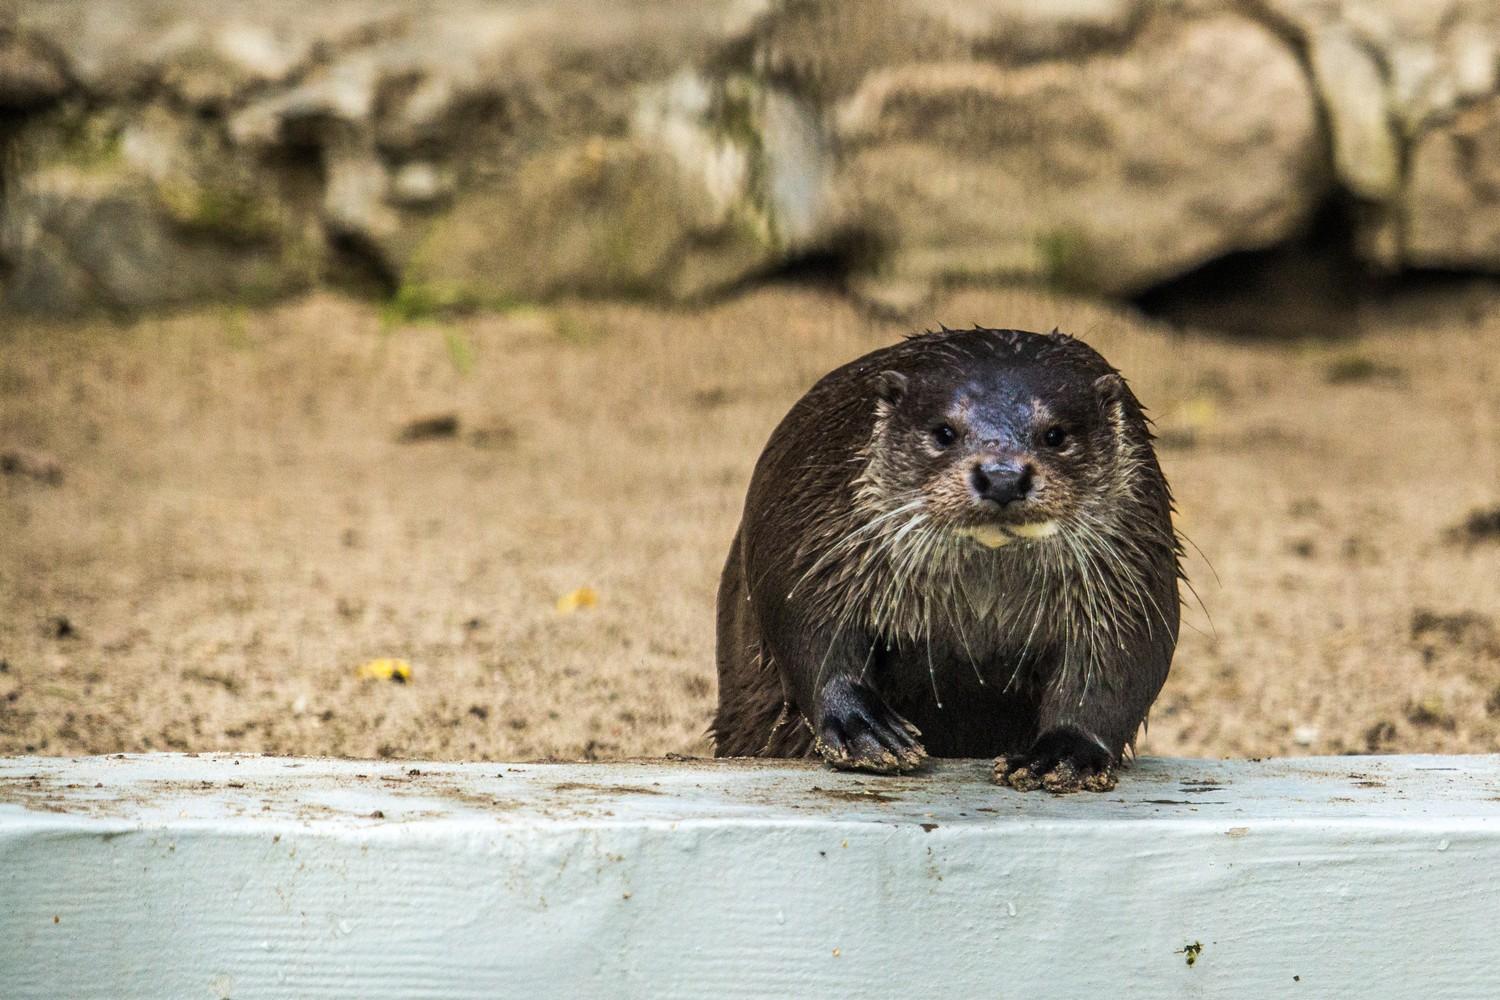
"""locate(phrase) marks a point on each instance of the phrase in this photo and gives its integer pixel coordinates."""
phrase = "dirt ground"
(208, 522)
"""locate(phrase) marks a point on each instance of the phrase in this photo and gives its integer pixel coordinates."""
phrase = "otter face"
(1005, 454)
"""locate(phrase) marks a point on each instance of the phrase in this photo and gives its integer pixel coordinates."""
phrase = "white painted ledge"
(229, 876)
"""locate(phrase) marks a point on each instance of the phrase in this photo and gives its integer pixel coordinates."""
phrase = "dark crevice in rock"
(1314, 286)
(1308, 286)
(358, 266)
(10, 158)
(11, 123)
(33, 78)
(829, 266)
(1297, 43)
(1425, 293)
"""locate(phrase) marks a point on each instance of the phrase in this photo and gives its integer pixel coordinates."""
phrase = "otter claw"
(859, 732)
(1061, 761)
(875, 761)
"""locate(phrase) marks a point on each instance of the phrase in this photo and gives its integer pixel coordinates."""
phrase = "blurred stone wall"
(461, 152)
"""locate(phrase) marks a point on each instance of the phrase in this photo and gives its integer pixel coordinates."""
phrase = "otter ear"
(890, 387)
(1111, 393)
(1110, 388)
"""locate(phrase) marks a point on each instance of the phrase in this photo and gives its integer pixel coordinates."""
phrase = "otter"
(960, 545)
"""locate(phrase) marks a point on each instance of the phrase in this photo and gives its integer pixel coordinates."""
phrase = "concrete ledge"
(228, 876)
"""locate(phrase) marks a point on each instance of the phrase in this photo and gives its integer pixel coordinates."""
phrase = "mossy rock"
(90, 238)
(233, 213)
(602, 217)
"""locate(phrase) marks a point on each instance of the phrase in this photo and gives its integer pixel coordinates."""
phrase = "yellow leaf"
(1199, 413)
(583, 597)
(386, 670)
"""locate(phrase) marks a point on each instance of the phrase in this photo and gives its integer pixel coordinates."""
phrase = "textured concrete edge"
(171, 876)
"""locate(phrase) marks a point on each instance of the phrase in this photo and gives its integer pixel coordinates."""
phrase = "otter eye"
(1055, 436)
(943, 435)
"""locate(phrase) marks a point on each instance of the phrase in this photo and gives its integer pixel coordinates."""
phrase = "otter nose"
(1001, 482)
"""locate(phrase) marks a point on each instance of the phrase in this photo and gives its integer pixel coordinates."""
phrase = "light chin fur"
(1034, 529)
(994, 536)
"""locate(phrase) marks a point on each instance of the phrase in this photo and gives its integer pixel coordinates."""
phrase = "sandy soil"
(209, 521)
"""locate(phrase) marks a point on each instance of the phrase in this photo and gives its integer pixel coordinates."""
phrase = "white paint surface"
(223, 876)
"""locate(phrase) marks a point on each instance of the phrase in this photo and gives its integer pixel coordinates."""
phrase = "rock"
(1366, 152)
(429, 428)
(343, 94)
(825, 49)
(198, 182)
(144, 212)
(92, 241)
(614, 216)
(1021, 31)
(350, 127)
(1452, 201)
(796, 163)
(210, 65)
(31, 464)
(420, 184)
(163, 151)
(197, 52)
(354, 195)
(1398, 81)
(497, 118)
(31, 76)
(1109, 174)
(1433, 54)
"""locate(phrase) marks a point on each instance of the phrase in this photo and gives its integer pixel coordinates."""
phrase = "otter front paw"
(857, 731)
(1061, 761)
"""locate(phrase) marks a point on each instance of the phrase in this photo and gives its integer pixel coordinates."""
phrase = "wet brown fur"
(847, 565)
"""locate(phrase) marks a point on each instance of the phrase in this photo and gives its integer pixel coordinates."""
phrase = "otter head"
(1003, 444)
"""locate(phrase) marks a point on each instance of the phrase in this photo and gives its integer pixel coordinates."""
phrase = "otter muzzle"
(1001, 483)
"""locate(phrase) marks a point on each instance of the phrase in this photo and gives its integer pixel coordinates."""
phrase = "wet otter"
(960, 545)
